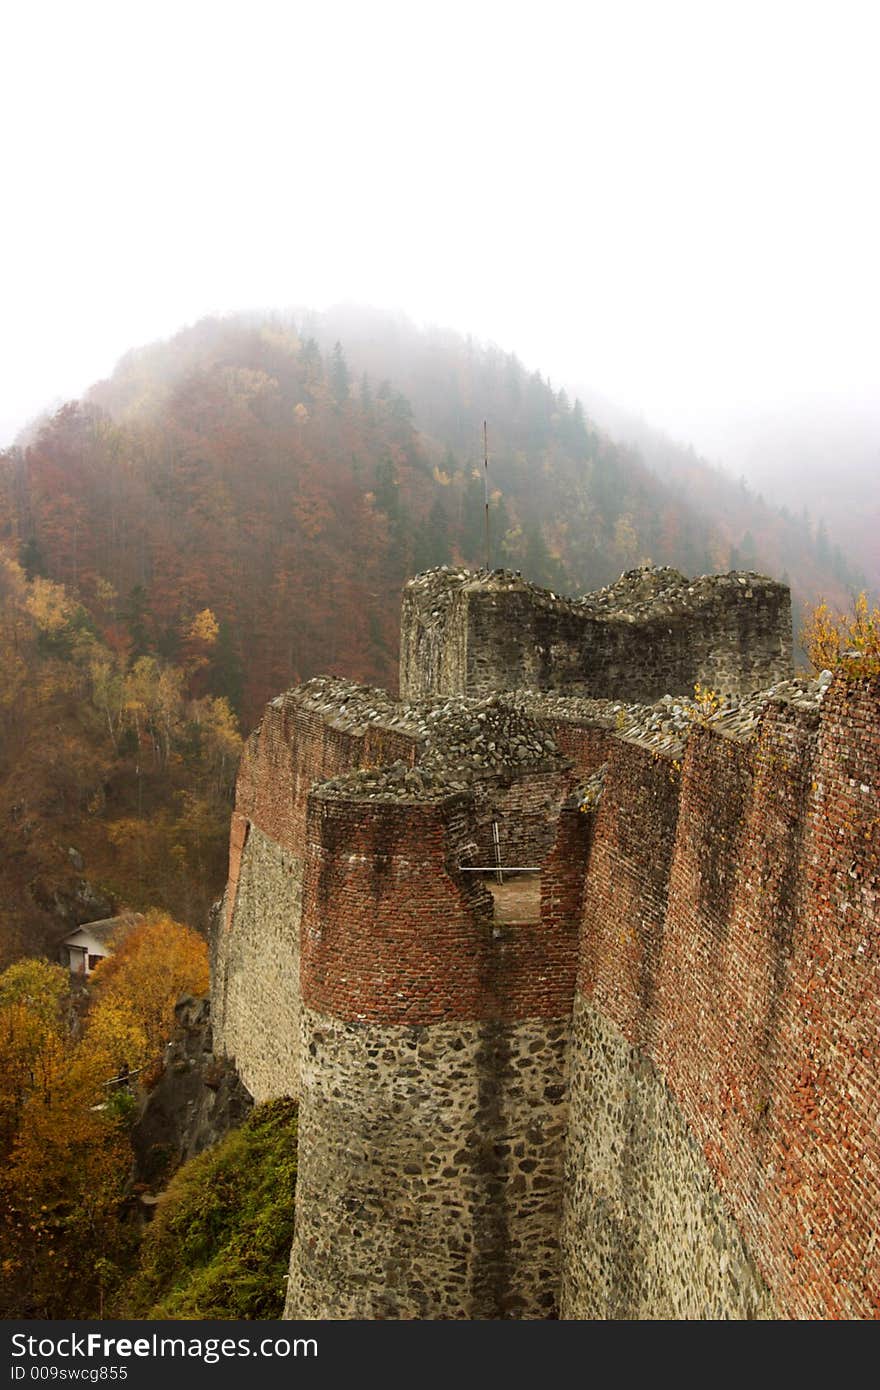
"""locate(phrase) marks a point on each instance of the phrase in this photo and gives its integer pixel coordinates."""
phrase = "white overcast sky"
(676, 203)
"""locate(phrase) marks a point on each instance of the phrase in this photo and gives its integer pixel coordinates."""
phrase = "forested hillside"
(115, 772)
(236, 510)
(289, 483)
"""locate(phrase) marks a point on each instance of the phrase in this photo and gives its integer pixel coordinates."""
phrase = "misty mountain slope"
(736, 526)
(823, 457)
(290, 484)
(819, 477)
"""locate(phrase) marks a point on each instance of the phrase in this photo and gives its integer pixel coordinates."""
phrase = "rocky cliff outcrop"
(197, 1098)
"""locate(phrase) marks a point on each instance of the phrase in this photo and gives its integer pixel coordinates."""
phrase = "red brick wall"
(627, 883)
(729, 929)
(392, 934)
(756, 993)
(291, 750)
(294, 748)
(587, 748)
(828, 1116)
(563, 880)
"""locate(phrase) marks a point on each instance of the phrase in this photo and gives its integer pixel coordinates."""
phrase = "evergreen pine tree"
(339, 376)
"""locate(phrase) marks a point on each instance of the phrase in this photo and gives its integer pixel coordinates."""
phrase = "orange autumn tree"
(67, 1157)
(61, 1240)
(136, 988)
(827, 638)
(33, 1000)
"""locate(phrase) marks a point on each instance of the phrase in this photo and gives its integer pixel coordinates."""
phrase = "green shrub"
(219, 1244)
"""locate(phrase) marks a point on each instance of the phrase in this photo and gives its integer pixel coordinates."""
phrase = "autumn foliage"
(64, 1146)
(139, 984)
(115, 755)
(244, 501)
(828, 638)
(236, 510)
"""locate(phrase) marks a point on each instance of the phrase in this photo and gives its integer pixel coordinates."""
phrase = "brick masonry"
(393, 933)
(730, 937)
(661, 1099)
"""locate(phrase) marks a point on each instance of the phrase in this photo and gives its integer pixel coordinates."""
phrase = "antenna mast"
(486, 488)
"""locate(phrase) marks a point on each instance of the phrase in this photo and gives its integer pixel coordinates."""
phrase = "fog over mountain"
(672, 207)
(820, 455)
(817, 459)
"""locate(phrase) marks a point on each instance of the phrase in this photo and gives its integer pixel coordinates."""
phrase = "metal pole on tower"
(486, 488)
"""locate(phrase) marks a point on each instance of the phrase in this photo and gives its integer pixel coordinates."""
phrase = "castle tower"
(652, 633)
(640, 1081)
(434, 1033)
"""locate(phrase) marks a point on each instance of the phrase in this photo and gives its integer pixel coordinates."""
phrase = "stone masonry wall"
(727, 991)
(255, 987)
(662, 1099)
(651, 634)
(646, 1234)
(430, 1170)
(255, 955)
(433, 1102)
(737, 639)
(526, 811)
(433, 638)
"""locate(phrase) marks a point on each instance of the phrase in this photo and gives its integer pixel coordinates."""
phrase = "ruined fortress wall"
(296, 746)
(475, 635)
(788, 1114)
(393, 934)
(588, 748)
(430, 1170)
(432, 1113)
(433, 641)
(738, 640)
(526, 811)
(256, 1001)
(660, 1100)
(645, 1233)
(723, 1146)
(255, 995)
(563, 880)
(833, 1173)
(625, 896)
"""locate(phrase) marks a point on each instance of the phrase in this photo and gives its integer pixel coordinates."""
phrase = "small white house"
(84, 948)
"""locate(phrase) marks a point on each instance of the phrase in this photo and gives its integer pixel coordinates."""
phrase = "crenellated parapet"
(640, 1080)
(652, 633)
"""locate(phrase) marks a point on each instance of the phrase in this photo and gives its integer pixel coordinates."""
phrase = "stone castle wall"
(729, 953)
(658, 1100)
(432, 1104)
(645, 1233)
(653, 633)
(430, 1170)
(255, 953)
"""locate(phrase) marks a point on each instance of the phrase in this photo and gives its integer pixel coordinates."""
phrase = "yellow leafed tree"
(33, 995)
(157, 963)
(114, 1038)
(61, 1186)
(827, 638)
